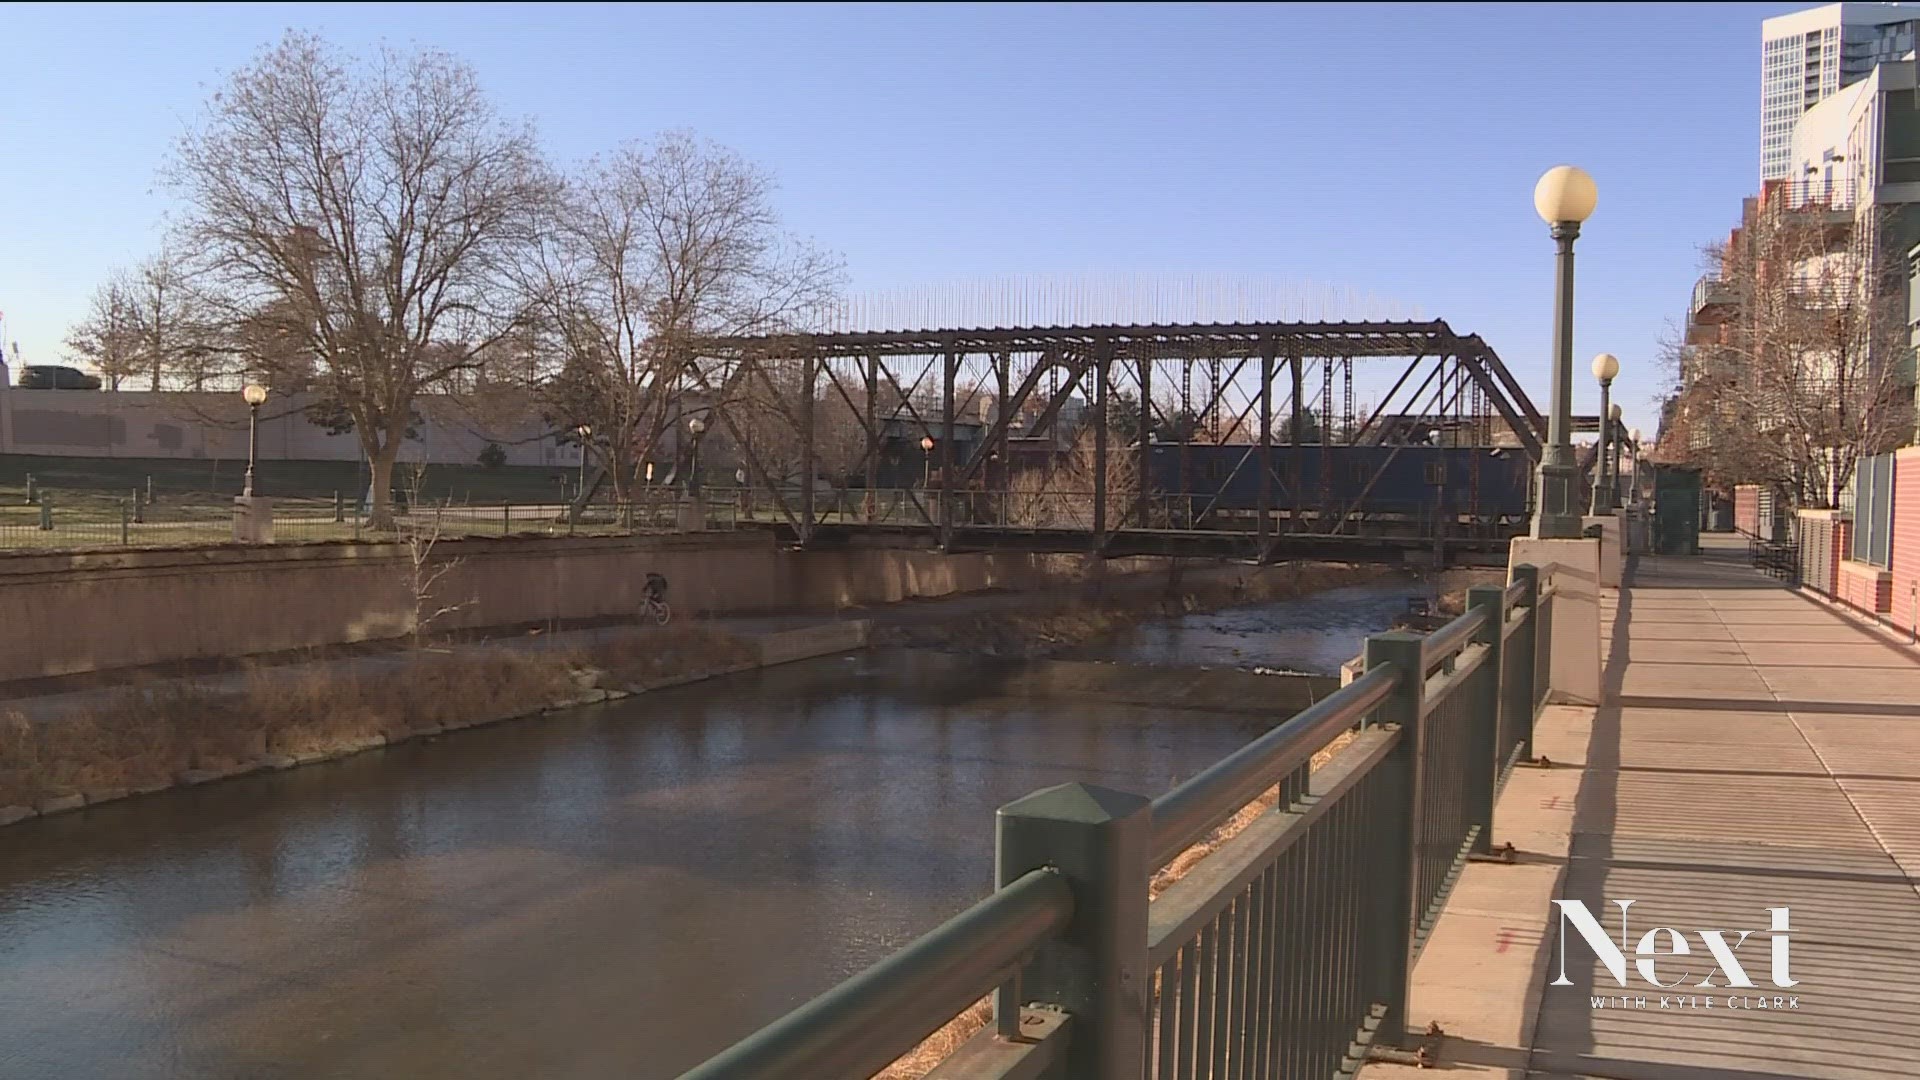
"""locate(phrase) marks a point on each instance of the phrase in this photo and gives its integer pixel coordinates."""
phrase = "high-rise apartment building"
(1808, 55)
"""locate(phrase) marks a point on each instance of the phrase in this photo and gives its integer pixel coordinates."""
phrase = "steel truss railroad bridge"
(1254, 448)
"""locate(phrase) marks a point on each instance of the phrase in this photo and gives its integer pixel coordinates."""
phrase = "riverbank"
(1042, 624)
(61, 752)
(98, 739)
(1033, 625)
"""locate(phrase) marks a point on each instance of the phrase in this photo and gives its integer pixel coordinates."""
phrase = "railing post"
(125, 519)
(1391, 962)
(1490, 750)
(1098, 839)
(1518, 686)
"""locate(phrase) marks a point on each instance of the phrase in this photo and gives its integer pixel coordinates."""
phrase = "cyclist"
(653, 599)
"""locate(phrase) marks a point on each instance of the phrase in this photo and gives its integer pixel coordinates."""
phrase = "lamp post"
(584, 431)
(1634, 490)
(1605, 367)
(254, 395)
(1619, 435)
(926, 455)
(1564, 198)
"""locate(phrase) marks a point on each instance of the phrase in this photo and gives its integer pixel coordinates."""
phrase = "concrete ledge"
(57, 805)
(1612, 554)
(787, 646)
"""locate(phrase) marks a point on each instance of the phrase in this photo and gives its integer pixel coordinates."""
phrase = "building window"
(1873, 510)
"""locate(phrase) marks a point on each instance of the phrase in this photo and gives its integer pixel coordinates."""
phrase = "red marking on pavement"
(1509, 936)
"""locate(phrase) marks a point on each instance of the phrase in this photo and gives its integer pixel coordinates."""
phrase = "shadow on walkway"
(1705, 807)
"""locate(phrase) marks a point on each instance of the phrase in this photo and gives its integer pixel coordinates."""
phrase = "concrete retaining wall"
(72, 613)
(826, 639)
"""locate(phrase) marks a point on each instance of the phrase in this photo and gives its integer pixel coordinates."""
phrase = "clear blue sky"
(1389, 148)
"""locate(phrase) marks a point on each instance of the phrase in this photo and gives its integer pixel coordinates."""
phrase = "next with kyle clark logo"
(1721, 946)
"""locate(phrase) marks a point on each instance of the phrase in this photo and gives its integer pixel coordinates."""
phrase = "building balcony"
(1714, 302)
(1812, 194)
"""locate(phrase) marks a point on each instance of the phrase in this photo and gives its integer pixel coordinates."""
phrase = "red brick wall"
(1904, 558)
(1746, 509)
(1865, 587)
(1842, 550)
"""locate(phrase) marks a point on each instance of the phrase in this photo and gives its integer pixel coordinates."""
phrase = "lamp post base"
(1602, 502)
(252, 520)
(1557, 516)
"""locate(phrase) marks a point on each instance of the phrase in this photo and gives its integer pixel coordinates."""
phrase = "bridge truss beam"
(1062, 447)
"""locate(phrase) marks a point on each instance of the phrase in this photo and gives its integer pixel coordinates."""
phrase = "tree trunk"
(616, 463)
(380, 462)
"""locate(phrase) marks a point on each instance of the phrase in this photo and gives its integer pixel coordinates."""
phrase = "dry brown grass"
(940, 1045)
(144, 736)
(671, 654)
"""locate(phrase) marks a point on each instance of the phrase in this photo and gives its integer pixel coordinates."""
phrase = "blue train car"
(1423, 483)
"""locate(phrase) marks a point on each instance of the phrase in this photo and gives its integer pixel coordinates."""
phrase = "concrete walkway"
(1755, 750)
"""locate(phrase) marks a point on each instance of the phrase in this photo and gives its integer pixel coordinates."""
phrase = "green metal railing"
(1284, 951)
(78, 520)
(64, 521)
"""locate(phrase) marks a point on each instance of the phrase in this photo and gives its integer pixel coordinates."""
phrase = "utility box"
(1676, 510)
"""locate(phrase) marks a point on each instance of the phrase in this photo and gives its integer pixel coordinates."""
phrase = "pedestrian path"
(1754, 750)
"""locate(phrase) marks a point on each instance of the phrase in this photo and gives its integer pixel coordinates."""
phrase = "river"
(616, 891)
(1311, 635)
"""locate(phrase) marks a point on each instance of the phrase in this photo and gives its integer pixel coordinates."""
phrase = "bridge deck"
(1754, 750)
(1185, 543)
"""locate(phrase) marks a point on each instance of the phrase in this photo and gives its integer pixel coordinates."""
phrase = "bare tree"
(1062, 495)
(1804, 374)
(649, 251)
(147, 321)
(367, 207)
(421, 533)
(766, 415)
(109, 338)
(177, 337)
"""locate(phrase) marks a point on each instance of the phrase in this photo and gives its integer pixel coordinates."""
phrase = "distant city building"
(1809, 56)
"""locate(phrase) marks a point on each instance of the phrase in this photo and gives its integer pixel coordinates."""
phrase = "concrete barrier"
(76, 612)
(1573, 568)
(807, 642)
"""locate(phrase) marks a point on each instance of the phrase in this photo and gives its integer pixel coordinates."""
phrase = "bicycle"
(657, 610)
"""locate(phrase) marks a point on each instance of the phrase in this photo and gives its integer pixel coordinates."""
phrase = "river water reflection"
(615, 892)
(1312, 635)
(619, 891)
